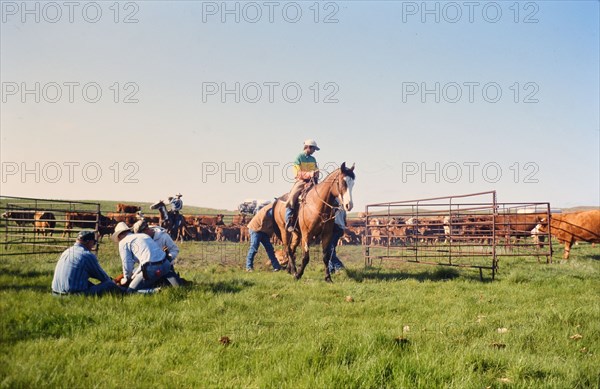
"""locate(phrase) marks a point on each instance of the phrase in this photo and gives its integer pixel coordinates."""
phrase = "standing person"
(261, 228)
(339, 227)
(162, 238)
(140, 248)
(306, 169)
(77, 265)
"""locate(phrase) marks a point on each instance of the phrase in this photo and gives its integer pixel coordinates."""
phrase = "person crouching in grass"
(77, 265)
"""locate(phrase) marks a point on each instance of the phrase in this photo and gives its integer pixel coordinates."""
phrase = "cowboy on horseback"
(307, 171)
(176, 203)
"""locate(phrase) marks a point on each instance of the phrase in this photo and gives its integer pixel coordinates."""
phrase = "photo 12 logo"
(69, 92)
(69, 11)
(254, 172)
(469, 92)
(454, 172)
(69, 172)
(269, 12)
(270, 92)
(469, 12)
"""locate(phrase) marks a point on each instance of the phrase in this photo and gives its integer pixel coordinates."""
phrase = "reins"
(325, 220)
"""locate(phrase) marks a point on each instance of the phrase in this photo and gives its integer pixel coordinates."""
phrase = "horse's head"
(344, 186)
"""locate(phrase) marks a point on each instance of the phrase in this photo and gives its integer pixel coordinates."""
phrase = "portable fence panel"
(42, 226)
(470, 230)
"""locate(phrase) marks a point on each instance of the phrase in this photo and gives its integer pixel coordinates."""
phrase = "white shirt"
(162, 239)
(138, 248)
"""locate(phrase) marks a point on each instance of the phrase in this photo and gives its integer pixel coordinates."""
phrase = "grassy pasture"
(398, 326)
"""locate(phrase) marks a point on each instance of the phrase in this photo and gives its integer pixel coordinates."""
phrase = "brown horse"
(316, 215)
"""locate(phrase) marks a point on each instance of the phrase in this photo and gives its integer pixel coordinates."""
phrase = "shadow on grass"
(233, 286)
(33, 280)
(26, 274)
(439, 274)
(593, 257)
(20, 288)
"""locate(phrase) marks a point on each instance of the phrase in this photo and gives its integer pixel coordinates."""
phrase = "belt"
(156, 263)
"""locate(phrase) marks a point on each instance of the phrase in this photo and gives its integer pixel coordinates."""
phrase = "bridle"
(333, 208)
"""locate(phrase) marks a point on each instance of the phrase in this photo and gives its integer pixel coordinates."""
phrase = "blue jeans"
(101, 288)
(334, 261)
(155, 273)
(256, 238)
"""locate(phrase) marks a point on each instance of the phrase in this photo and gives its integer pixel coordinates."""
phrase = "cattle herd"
(369, 230)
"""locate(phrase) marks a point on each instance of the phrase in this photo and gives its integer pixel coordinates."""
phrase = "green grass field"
(403, 326)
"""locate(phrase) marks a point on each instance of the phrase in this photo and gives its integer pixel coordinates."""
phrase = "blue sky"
(178, 137)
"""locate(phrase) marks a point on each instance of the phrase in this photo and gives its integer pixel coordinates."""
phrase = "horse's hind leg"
(293, 240)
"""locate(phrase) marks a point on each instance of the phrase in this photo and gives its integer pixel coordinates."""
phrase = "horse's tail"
(275, 225)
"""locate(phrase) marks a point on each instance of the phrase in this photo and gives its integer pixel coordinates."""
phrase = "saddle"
(307, 187)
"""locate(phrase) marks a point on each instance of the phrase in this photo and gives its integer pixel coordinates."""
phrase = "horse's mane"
(343, 170)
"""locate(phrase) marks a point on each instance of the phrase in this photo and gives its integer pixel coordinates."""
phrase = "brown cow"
(240, 220)
(190, 220)
(152, 220)
(126, 208)
(210, 220)
(572, 227)
(205, 233)
(128, 218)
(45, 222)
(22, 218)
(517, 224)
(84, 220)
(231, 234)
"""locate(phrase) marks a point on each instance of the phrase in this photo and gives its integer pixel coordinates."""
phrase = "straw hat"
(121, 227)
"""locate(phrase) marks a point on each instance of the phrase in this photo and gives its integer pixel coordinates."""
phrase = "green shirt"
(304, 163)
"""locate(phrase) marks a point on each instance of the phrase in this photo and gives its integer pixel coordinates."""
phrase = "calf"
(44, 223)
(231, 234)
(244, 234)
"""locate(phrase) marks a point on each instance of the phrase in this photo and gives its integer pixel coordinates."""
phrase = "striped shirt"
(138, 248)
(74, 269)
(304, 163)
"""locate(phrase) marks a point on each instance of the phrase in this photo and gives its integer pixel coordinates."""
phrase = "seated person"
(306, 170)
(77, 265)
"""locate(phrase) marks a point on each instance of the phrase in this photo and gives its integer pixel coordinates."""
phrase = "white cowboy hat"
(121, 227)
(140, 226)
(311, 142)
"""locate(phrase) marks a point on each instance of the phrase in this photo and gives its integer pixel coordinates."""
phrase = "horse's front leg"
(291, 253)
(291, 267)
(305, 260)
